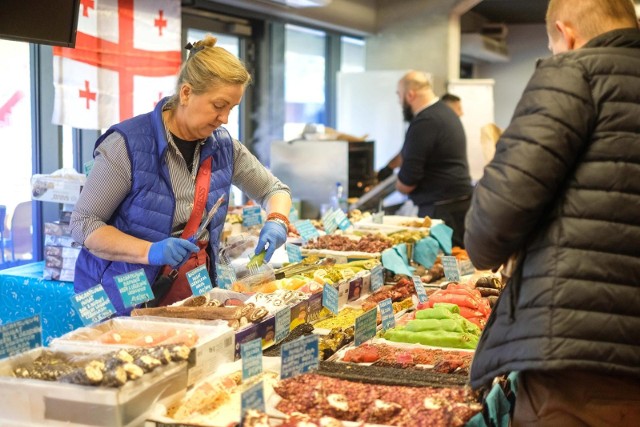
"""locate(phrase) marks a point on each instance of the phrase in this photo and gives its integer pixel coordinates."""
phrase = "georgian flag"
(126, 58)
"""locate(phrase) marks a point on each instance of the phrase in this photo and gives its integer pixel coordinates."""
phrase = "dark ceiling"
(513, 11)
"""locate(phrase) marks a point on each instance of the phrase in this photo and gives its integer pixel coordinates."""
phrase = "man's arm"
(550, 128)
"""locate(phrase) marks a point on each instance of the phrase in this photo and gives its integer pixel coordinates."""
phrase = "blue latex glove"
(172, 251)
(275, 235)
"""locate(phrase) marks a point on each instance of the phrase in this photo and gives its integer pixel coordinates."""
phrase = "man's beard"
(407, 114)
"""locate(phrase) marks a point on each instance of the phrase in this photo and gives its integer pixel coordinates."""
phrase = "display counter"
(24, 293)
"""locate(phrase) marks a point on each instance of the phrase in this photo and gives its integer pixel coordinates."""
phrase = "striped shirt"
(110, 182)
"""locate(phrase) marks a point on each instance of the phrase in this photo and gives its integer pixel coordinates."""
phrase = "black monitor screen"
(52, 22)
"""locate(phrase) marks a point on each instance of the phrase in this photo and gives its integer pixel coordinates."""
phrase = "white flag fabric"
(126, 58)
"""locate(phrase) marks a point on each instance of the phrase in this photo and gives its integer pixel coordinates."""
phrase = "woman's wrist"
(281, 222)
(276, 216)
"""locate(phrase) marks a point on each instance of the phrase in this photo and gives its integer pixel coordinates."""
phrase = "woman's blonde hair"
(208, 66)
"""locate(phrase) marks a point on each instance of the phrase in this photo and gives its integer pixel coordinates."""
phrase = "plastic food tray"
(215, 343)
(30, 402)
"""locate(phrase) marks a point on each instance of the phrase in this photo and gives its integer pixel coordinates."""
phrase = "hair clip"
(193, 49)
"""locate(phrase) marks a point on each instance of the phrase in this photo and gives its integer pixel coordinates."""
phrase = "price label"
(283, 323)
(293, 252)
(307, 230)
(252, 398)
(86, 167)
(420, 291)
(466, 267)
(377, 277)
(366, 325)
(342, 220)
(199, 280)
(134, 288)
(451, 269)
(329, 221)
(251, 354)
(93, 305)
(299, 356)
(378, 218)
(293, 214)
(386, 313)
(251, 216)
(20, 336)
(330, 298)
(226, 276)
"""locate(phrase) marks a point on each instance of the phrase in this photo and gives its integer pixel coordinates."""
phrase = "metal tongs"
(207, 220)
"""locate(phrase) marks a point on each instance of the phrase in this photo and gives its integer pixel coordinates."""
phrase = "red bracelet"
(276, 215)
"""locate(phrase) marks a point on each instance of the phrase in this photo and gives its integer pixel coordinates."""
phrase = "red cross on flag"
(126, 57)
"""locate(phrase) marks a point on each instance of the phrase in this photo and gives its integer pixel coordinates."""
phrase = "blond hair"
(208, 66)
(591, 17)
(489, 136)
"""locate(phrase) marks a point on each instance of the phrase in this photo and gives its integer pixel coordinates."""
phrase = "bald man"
(434, 171)
(562, 193)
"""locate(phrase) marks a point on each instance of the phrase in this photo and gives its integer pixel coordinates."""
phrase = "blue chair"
(21, 235)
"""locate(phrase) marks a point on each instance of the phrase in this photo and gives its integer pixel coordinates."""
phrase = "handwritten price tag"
(199, 280)
(134, 288)
(299, 356)
(93, 305)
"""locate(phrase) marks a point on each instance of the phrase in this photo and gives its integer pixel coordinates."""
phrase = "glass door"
(16, 231)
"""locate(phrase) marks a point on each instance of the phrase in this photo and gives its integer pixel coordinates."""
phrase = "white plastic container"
(30, 402)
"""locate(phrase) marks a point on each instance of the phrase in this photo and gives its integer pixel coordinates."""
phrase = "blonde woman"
(157, 175)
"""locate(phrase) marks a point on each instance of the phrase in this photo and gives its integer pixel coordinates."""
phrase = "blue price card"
(299, 356)
(251, 216)
(252, 398)
(342, 220)
(283, 323)
(451, 269)
(251, 354)
(386, 313)
(366, 325)
(20, 336)
(134, 288)
(93, 305)
(420, 291)
(466, 267)
(377, 277)
(329, 221)
(86, 167)
(293, 214)
(378, 217)
(293, 252)
(199, 280)
(306, 229)
(226, 276)
(330, 298)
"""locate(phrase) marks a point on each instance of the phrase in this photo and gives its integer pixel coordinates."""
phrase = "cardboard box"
(34, 402)
(66, 241)
(60, 274)
(48, 188)
(57, 229)
(60, 262)
(61, 252)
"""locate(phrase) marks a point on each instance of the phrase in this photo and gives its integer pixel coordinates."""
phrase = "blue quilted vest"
(147, 211)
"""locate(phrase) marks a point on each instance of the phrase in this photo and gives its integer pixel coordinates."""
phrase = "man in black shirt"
(434, 171)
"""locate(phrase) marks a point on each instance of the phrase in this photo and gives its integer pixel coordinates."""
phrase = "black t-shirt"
(187, 149)
(434, 156)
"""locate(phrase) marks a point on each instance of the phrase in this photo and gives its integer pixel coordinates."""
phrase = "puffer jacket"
(563, 192)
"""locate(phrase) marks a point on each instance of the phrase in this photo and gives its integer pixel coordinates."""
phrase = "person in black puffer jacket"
(561, 198)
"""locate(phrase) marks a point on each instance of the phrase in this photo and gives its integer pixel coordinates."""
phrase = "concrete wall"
(526, 44)
(414, 36)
